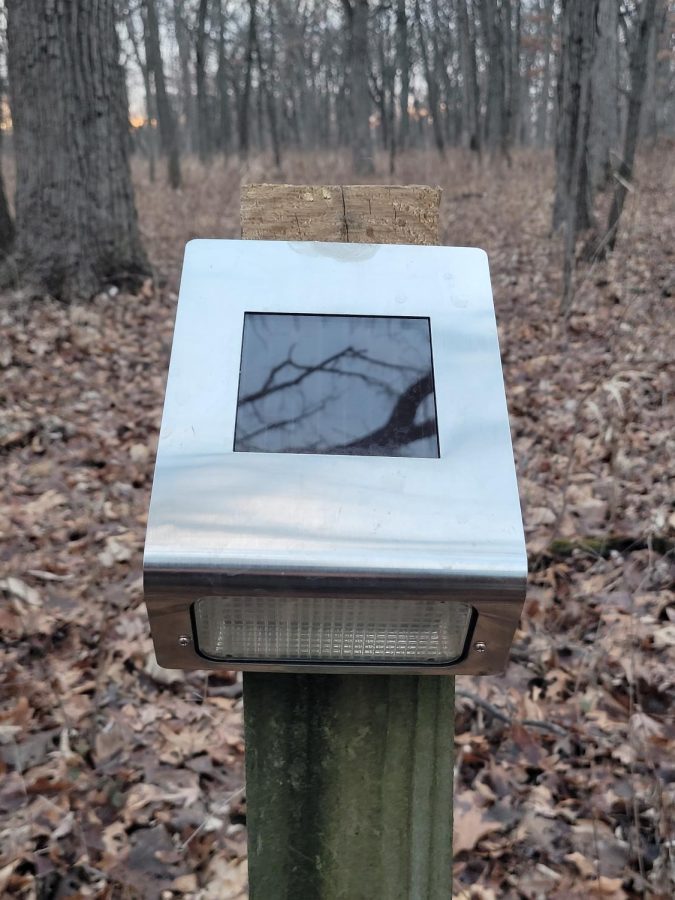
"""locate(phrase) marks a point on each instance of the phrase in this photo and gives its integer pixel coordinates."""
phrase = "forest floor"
(120, 779)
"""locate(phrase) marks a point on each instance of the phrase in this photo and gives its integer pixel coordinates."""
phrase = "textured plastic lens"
(362, 630)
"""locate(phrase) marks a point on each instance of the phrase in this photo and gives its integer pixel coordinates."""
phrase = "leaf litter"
(122, 779)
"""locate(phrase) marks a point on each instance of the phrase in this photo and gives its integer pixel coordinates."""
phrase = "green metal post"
(349, 786)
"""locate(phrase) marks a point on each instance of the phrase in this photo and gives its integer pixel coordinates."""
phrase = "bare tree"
(403, 69)
(445, 47)
(245, 98)
(604, 123)
(183, 41)
(658, 112)
(471, 94)
(266, 88)
(638, 79)
(573, 197)
(433, 100)
(6, 223)
(203, 113)
(547, 12)
(356, 15)
(224, 133)
(512, 25)
(573, 206)
(150, 105)
(493, 35)
(75, 215)
(289, 72)
(167, 122)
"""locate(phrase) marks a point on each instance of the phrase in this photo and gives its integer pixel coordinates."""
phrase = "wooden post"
(349, 778)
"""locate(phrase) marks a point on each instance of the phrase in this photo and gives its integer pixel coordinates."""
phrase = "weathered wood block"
(370, 214)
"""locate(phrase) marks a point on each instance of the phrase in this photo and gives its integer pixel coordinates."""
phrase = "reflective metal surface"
(261, 524)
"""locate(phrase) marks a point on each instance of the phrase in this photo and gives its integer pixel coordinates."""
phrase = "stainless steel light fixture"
(334, 488)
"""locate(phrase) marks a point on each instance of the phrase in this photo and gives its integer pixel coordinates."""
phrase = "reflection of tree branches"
(400, 428)
(397, 367)
(245, 440)
(270, 388)
(327, 365)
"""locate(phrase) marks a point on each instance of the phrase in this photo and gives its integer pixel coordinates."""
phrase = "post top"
(335, 426)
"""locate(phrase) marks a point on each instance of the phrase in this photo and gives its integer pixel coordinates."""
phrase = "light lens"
(329, 629)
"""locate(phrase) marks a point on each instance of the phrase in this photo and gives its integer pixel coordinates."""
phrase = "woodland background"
(127, 130)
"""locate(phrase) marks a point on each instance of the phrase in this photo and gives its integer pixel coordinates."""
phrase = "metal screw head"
(184, 640)
(480, 646)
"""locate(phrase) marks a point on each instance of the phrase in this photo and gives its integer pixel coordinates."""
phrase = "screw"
(480, 646)
(184, 640)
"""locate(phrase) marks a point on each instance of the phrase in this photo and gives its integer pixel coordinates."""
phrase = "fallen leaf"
(20, 589)
(582, 863)
(664, 636)
(472, 821)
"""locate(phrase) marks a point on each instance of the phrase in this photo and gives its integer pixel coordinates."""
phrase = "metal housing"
(223, 523)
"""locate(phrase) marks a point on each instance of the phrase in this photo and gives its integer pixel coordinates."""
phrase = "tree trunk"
(542, 110)
(6, 223)
(442, 37)
(265, 87)
(245, 98)
(506, 40)
(359, 94)
(403, 66)
(573, 198)
(379, 86)
(432, 85)
(648, 115)
(224, 123)
(391, 118)
(183, 42)
(260, 140)
(471, 94)
(75, 216)
(660, 117)
(496, 83)
(526, 103)
(203, 116)
(167, 122)
(573, 195)
(514, 24)
(150, 107)
(604, 133)
(638, 78)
